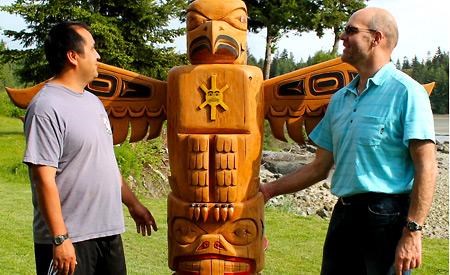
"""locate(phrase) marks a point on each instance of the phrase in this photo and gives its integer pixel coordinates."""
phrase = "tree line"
(434, 68)
(130, 34)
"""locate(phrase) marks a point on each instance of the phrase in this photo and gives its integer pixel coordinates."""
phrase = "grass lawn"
(295, 242)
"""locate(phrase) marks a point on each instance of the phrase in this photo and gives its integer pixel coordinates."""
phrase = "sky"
(423, 27)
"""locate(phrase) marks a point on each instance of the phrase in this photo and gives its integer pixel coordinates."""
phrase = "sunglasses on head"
(350, 30)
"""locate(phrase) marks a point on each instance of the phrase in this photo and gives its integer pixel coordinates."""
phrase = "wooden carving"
(215, 109)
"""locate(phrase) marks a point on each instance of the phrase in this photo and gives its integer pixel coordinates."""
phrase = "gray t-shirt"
(71, 132)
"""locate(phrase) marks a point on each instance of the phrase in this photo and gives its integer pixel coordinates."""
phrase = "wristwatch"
(413, 226)
(59, 239)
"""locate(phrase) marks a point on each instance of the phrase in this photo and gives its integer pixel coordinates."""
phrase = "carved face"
(229, 244)
(224, 245)
(217, 32)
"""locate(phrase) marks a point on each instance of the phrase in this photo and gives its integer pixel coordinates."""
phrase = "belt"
(365, 198)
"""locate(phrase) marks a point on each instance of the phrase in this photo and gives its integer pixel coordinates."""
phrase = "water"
(441, 127)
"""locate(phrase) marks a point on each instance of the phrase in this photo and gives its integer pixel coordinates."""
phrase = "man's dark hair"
(61, 39)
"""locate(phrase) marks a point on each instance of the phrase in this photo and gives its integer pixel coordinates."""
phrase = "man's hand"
(263, 190)
(64, 258)
(143, 219)
(409, 251)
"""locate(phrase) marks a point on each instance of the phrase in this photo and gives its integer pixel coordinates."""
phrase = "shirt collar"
(377, 79)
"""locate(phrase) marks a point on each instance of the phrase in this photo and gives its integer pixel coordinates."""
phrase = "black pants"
(363, 234)
(97, 256)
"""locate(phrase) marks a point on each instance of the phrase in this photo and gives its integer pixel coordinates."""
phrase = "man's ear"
(72, 57)
(377, 38)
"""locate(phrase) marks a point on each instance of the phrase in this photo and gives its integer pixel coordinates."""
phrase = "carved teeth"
(191, 211)
(196, 212)
(230, 211)
(216, 212)
(224, 212)
(204, 212)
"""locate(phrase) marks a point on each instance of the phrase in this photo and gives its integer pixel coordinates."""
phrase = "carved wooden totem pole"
(215, 107)
(215, 110)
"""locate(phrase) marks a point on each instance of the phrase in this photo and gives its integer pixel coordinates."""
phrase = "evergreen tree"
(318, 57)
(128, 33)
(281, 16)
(435, 69)
(439, 73)
(283, 63)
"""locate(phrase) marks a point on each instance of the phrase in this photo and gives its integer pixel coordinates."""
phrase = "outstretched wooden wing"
(299, 99)
(131, 101)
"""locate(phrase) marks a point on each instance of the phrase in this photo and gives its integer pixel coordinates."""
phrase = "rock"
(442, 147)
(323, 213)
(282, 167)
(317, 199)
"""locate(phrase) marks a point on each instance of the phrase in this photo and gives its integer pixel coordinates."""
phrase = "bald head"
(381, 20)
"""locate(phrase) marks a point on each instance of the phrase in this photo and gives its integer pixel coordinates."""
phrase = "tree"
(251, 60)
(439, 73)
(320, 56)
(127, 33)
(333, 15)
(6, 71)
(8, 79)
(283, 63)
(435, 69)
(279, 17)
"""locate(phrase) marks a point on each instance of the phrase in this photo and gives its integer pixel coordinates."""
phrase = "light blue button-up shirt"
(369, 134)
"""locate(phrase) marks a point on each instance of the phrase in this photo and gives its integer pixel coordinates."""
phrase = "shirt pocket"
(370, 130)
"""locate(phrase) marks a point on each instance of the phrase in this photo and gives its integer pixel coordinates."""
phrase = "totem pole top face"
(217, 32)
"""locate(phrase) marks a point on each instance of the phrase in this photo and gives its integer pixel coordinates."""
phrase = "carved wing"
(299, 99)
(131, 101)
(429, 87)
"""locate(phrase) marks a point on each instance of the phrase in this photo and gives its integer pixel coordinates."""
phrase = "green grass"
(295, 242)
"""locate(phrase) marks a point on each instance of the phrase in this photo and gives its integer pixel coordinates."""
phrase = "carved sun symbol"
(213, 96)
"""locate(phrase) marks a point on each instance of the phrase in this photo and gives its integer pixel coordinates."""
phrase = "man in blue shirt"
(378, 132)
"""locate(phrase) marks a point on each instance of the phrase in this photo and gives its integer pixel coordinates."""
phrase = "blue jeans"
(363, 234)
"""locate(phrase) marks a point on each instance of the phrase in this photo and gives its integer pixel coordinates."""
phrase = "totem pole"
(215, 110)
(215, 106)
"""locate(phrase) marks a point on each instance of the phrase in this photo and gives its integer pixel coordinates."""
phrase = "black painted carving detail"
(326, 83)
(103, 86)
(294, 88)
(135, 90)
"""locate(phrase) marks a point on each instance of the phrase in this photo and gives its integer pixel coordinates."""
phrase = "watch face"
(60, 239)
(413, 226)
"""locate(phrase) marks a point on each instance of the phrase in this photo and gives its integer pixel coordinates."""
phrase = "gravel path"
(317, 200)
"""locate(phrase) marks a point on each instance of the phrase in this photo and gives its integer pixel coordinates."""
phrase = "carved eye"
(237, 19)
(242, 232)
(193, 20)
(186, 232)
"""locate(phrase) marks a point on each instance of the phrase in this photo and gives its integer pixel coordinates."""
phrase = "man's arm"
(142, 217)
(64, 257)
(302, 178)
(409, 248)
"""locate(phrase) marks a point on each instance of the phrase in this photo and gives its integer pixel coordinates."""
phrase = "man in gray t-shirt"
(76, 184)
